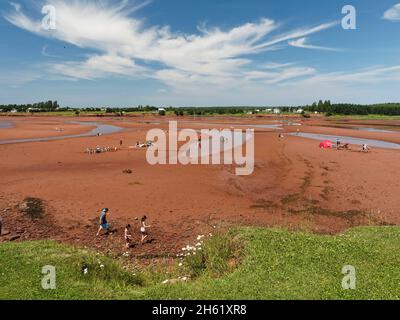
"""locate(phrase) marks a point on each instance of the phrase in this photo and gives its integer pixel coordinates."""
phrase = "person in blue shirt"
(103, 221)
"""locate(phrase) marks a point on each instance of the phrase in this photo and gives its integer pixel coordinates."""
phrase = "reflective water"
(249, 126)
(350, 140)
(102, 129)
(376, 130)
(5, 124)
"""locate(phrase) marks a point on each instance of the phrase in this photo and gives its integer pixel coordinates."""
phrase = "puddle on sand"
(241, 125)
(375, 130)
(351, 140)
(5, 124)
(100, 129)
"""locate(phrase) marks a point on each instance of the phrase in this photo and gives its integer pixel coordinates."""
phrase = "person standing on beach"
(103, 222)
(365, 147)
(128, 236)
(143, 229)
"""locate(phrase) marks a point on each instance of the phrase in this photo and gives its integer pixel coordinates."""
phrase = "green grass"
(21, 266)
(271, 264)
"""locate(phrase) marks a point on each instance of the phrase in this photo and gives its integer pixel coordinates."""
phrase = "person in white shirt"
(143, 229)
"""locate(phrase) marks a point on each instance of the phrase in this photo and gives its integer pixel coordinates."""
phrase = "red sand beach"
(295, 184)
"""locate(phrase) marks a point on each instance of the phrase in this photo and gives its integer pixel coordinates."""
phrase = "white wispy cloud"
(223, 63)
(46, 53)
(393, 14)
(125, 46)
(303, 43)
(16, 6)
(99, 66)
(369, 75)
(299, 33)
(16, 78)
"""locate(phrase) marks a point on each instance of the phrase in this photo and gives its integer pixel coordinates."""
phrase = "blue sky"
(192, 52)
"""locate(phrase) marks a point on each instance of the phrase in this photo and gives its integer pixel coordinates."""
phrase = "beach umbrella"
(326, 144)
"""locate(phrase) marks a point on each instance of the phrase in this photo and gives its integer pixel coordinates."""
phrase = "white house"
(299, 110)
(277, 111)
(33, 109)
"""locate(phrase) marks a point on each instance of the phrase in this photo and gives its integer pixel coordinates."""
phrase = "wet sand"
(295, 184)
(30, 128)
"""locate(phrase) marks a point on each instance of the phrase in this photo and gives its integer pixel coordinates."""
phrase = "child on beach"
(103, 222)
(128, 236)
(365, 148)
(143, 229)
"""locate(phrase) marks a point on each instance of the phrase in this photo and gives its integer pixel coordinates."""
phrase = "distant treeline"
(47, 106)
(180, 111)
(51, 106)
(321, 107)
(390, 109)
(210, 110)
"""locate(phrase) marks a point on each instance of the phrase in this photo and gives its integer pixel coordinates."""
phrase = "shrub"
(217, 256)
(96, 269)
(33, 207)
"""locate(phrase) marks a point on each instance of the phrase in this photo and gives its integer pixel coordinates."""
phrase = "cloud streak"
(393, 14)
(125, 46)
(302, 43)
(211, 62)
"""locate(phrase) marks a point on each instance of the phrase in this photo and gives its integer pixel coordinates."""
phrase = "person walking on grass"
(143, 229)
(103, 222)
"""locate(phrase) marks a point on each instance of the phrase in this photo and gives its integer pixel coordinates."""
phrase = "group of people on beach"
(339, 145)
(346, 146)
(140, 145)
(104, 226)
(99, 149)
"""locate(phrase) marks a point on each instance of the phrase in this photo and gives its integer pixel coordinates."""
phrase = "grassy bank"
(272, 264)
